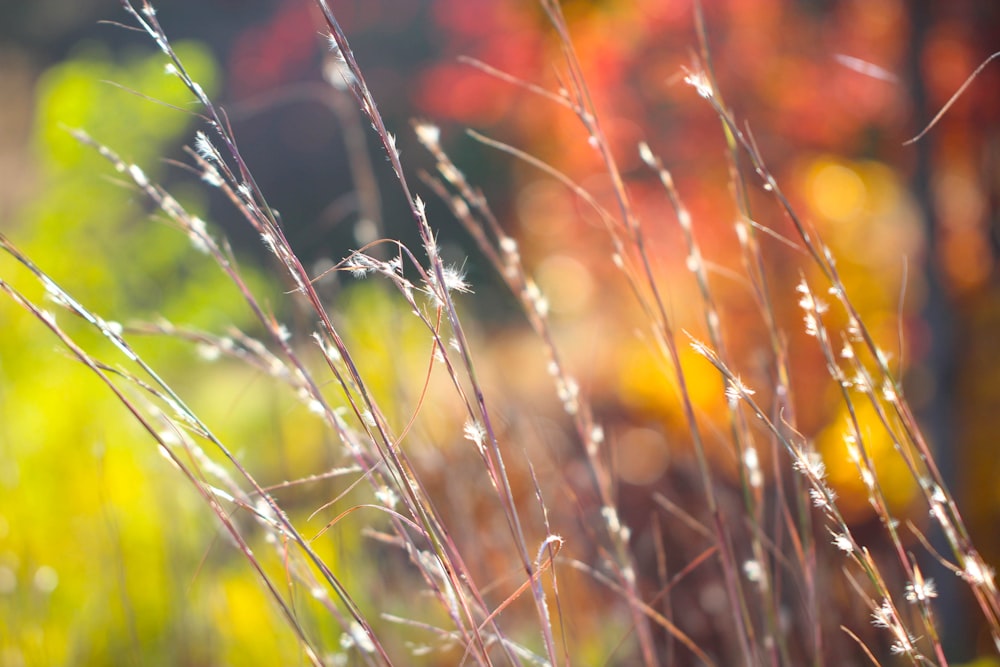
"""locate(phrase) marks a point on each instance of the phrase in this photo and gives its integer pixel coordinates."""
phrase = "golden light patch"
(566, 282)
(886, 465)
(836, 191)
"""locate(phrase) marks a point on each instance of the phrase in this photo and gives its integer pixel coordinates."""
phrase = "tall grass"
(510, 552)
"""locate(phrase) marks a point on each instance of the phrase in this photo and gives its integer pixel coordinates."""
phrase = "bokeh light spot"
(46, 579)
(836, 191)
(642, 455)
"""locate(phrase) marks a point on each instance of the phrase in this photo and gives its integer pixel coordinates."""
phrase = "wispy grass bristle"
(505, 515)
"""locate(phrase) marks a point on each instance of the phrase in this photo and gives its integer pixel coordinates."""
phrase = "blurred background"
(105, 555)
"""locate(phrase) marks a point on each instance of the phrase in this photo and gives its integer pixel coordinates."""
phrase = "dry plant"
(523, 566)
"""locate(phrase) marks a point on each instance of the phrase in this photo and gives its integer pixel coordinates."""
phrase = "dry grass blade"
(951, 101)
(507, 508)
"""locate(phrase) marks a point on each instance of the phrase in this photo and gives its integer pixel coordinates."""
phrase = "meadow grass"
(481, 544)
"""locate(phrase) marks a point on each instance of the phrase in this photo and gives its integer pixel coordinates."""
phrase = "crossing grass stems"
(741, 541)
